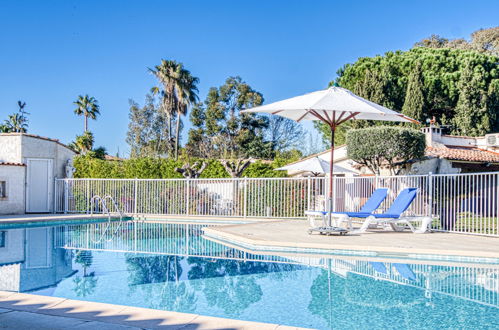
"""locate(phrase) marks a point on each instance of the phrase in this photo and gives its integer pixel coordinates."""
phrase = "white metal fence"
(463, 203)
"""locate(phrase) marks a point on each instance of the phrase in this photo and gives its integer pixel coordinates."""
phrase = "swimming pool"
(170, 266)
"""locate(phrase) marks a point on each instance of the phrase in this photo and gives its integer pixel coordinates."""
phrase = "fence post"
(309, 193)
(55, 196)
(135, 195)
(89, 197)
(188, 197)
(66, 196)
(430, 194)
(245, 196)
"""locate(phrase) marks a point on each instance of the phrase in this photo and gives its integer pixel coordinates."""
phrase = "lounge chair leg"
(395, 227)
(425, 222)
(366, 224)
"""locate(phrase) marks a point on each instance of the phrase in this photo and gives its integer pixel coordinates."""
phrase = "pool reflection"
(171, 267)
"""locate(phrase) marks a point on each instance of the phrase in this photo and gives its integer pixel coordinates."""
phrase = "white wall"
(10, 148)
(14, 177)
(17, 148)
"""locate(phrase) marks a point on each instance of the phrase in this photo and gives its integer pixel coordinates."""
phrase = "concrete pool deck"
(282, 235)
(26, 311)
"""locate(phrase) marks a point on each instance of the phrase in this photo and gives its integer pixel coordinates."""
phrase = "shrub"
(377, 146)
(158, 168)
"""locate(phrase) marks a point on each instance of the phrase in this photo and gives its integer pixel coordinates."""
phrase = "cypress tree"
(471, 116)
(414, 98)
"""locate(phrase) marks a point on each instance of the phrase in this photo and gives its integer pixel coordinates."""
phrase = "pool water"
(172, 267)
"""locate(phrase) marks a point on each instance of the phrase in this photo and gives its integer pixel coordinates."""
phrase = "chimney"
(433, 135)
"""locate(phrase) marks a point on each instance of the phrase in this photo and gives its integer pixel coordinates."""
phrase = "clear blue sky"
(51, 51)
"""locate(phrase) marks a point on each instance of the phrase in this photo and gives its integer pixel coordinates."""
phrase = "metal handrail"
(103, 202)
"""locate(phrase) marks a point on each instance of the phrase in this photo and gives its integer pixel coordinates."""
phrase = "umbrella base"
(328, 230)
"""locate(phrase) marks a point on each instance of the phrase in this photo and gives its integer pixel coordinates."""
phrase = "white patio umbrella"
(333, 106)
(315, 165)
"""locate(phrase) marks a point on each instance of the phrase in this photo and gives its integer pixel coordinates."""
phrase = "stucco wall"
(38, 148)
(10, 149)
(14, 178)
(433, 165)
(18, 148)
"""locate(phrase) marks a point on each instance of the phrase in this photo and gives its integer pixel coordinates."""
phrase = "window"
(2, 238)
(3, 189)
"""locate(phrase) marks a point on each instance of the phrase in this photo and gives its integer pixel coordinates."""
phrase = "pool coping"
(68, 310)
(256, 245)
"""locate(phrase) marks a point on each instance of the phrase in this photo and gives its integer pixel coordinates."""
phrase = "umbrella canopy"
(333, 106)
(315, 165)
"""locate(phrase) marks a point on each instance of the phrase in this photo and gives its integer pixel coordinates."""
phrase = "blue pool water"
(171, 267)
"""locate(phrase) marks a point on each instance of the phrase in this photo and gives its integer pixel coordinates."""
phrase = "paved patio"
(279, 235)
(26, 311)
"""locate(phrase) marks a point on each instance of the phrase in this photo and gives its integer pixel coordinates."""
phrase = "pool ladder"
(103, 202)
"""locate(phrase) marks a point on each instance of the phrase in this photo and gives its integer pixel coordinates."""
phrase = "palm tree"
(167, 74)
(83, 143)
(88, 107)
(178, 91)
(16, 123)
(187, 95)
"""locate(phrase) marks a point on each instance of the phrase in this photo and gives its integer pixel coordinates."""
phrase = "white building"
(28, 166)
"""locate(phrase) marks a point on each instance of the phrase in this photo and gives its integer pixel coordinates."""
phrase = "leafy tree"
(387, 145)
(178, 90)
(99, 152)
(84, 144)
(148, 134)
(472, 117)
(283, 134)
(483, 40)
(17, 122)
(414, 99)
(87, 107)
(385, 80)
(221, 131)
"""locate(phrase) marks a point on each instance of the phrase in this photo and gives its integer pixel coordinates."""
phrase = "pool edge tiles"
(256, 245)
(111, 315)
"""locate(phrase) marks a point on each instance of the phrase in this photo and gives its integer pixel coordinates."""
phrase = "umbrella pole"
(331, 164)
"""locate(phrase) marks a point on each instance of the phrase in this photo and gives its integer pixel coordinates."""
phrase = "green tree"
(414, 99)
(148, 134)
(472, 116)
(440, 76)
(187, 95)
(387, 145)
(16, 122)
(222, 131)
(283, 134)
(483, 40)
(177, 90)
(88, 107)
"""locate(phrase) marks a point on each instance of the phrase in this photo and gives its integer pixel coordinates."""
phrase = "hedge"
(159, 168)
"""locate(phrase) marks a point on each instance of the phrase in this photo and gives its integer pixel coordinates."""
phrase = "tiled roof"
(11, 164)
(463, 153)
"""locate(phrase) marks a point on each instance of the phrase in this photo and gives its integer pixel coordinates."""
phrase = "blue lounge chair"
(393, 215)
(379, 267)
(377, 197)
(405, 271)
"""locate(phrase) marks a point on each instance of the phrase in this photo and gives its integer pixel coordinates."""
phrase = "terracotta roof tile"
(11, 164)
(463, 153)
